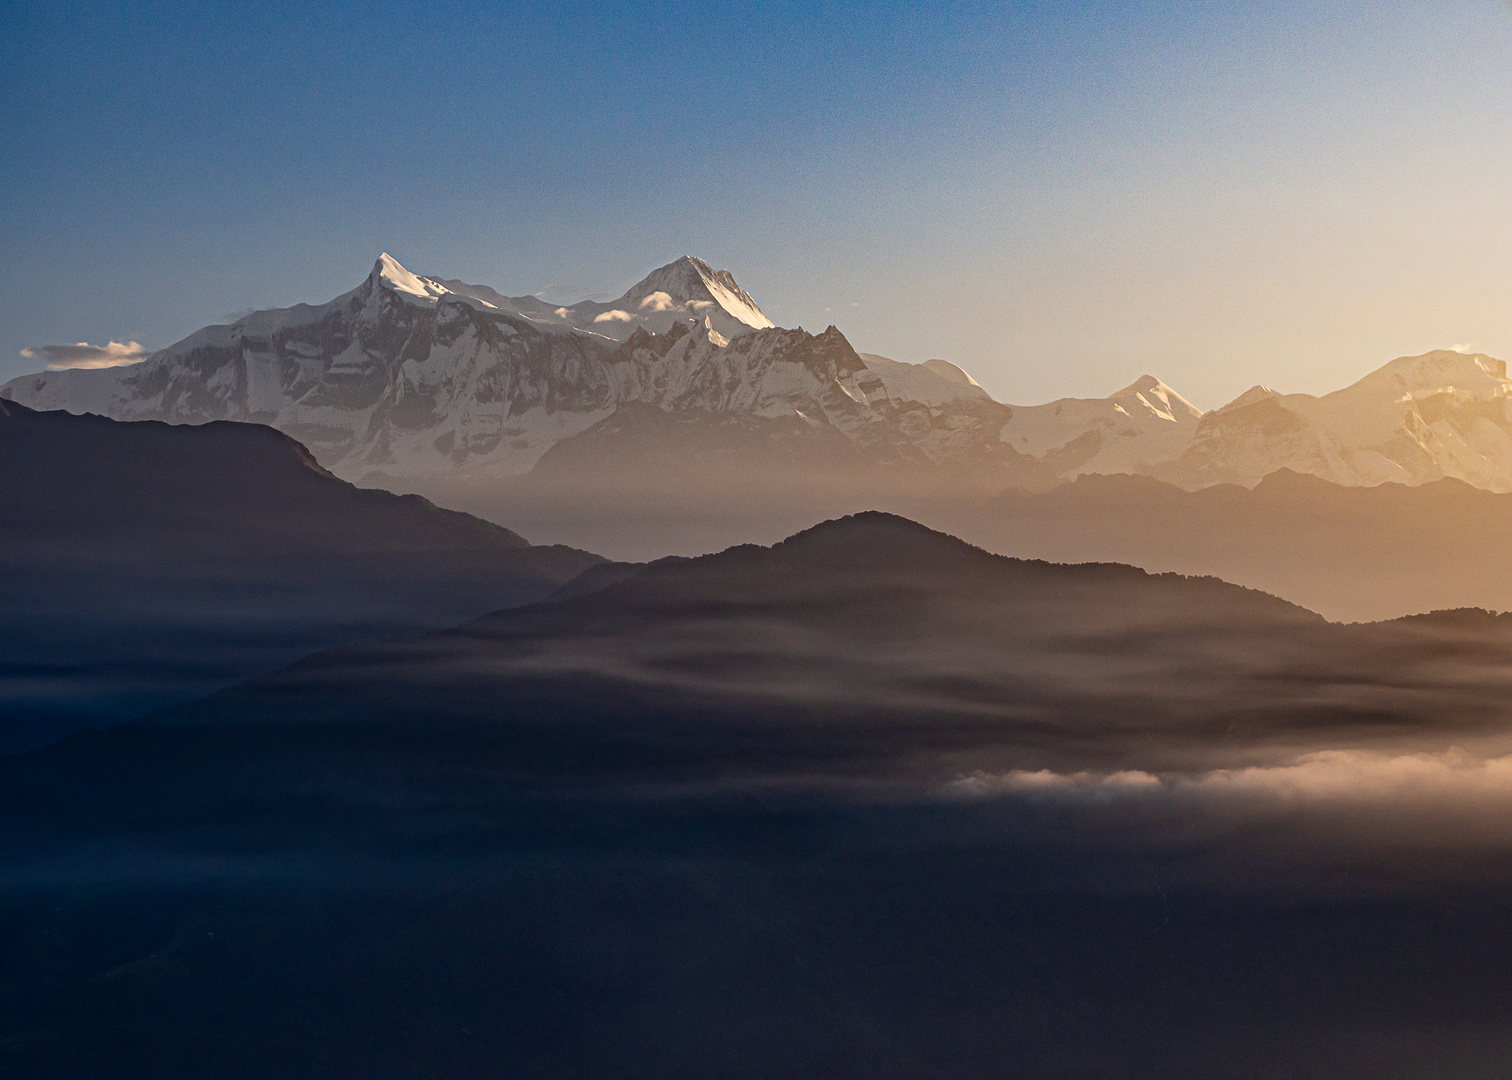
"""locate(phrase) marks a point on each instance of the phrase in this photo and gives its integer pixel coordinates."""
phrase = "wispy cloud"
(568, 293)
(81, 354)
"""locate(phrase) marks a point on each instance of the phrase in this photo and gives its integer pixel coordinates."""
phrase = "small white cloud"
(562, 313)
(81, 354)
(614, 315)
(1045, 780)
(657, 301)
(1326, 776)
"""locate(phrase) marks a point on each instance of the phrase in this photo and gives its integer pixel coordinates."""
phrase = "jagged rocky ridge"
(409, 376)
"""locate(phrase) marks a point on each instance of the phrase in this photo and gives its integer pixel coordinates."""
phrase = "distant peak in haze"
(1443, 368)
(1154, 395)
(950, 372)
(934, 382)
(870, 526)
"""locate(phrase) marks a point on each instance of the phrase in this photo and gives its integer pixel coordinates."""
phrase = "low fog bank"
(289, 902)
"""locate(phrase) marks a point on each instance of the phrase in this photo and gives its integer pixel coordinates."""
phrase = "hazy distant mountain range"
(407, 378)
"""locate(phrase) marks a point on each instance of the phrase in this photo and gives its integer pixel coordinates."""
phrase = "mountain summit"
(388, 274)
(693, 283)
(688, 290)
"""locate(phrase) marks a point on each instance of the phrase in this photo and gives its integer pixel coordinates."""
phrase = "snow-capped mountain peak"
(692, 282)
(1437, 372)
(1148, 395)
(1249, 397)
(411, 375)
(388, 274)
(688, 290)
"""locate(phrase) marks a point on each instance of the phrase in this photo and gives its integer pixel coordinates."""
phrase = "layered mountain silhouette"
(142, 563)
(868, 801)
(873, 643)
(147, 563)
(677, 419)
(358, 786)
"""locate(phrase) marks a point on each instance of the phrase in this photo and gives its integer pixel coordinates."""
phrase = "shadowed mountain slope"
(873, 643)
(143, 562)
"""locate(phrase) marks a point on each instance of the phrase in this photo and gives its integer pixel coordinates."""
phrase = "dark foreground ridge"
(873, 644)
(866, 638)
(143, 563)
(870, 802)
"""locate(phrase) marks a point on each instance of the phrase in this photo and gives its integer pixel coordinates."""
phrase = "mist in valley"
(869, 799)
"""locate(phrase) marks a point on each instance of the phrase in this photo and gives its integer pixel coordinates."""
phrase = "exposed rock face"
(775, 400)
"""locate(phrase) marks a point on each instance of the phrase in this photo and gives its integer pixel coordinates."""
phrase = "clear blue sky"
(1059, 196)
